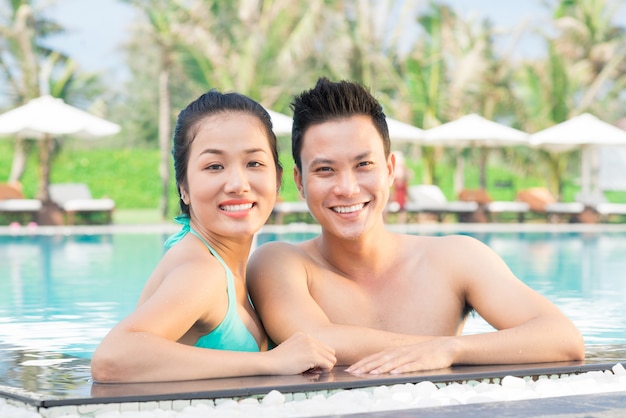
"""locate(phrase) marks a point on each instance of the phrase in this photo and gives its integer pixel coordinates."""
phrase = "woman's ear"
(184, 195)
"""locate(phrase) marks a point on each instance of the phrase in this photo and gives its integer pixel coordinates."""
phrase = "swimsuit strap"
(231, 333)
(175, 238)
(216, 255)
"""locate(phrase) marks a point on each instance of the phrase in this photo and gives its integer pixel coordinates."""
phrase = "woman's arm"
(143, 347)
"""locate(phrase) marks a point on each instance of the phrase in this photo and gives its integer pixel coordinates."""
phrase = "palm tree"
(31, 70)
(261, 49)
(26, 66)
(162, 28)
(592, 46)
(585, 66)
(452, 71)
(23, 84)
(362, 41)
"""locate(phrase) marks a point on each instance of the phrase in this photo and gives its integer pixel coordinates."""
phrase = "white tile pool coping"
(418, 228)
(571, 389)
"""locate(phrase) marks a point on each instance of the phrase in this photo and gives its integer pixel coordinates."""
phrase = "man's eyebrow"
(321, 160)
(318, 161)
(362, 156)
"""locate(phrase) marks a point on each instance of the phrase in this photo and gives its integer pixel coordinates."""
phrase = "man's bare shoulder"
(279, 249)
(277, 257)
(439, 248)
(436, 242)
(464, 244)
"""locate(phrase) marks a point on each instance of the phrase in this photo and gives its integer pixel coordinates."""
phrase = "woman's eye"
(214, 167)
(255, 164)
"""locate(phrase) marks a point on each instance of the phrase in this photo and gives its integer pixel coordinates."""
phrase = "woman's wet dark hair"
(207, 105)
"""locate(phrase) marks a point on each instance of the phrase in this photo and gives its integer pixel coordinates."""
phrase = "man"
(388, 302)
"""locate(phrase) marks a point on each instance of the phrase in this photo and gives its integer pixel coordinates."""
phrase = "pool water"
(62, 293)
(583, 274)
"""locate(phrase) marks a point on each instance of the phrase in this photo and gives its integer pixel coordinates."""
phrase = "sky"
(94, 31)
(95, 28)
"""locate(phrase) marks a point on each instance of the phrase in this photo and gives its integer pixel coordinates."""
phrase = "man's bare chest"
(410, 305)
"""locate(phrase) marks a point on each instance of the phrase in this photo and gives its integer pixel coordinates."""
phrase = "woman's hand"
(301, 353)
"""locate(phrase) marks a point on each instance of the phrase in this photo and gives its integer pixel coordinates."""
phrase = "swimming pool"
(62, 289)
(63, 292)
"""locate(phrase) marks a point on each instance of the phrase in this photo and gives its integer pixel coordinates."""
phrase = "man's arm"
(278, 285)
(530, 329)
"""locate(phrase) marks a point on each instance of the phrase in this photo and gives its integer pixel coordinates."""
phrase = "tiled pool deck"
(424, 228)
(57, 386)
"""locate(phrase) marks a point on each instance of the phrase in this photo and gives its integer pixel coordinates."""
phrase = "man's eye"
(323, 169)
(364, 163)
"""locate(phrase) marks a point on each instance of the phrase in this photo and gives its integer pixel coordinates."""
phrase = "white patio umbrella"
(281, 123)
(404, 132)
(473, 131)
(585, 132)
(398, 131)
(45, 118)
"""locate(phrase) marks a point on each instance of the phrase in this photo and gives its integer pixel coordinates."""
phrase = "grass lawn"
(131, 178)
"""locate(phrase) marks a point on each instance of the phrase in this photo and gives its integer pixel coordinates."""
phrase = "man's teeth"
(348, 209)
(236, 208)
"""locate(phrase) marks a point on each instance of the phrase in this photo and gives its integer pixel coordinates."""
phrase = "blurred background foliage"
(426, 64)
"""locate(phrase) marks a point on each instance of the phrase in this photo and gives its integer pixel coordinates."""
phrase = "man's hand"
(437, 353)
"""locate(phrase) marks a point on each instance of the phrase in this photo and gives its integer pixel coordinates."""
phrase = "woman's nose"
(237, 181)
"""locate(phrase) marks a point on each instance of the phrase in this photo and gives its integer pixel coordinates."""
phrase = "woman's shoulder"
(191, 265)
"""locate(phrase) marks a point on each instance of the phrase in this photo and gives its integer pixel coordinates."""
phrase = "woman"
(194, 319)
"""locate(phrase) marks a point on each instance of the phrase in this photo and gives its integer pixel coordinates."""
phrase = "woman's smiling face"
(232, 179)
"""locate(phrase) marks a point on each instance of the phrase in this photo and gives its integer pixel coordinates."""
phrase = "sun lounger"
(540, 200)
(598, 208)
(491, 210)
(501, 207)
(12, 202)
(75, 198)
(428, 198)
(607, 209)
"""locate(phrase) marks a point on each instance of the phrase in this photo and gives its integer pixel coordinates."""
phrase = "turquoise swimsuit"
(231, 334)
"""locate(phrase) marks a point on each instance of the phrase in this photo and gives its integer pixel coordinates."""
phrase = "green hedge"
(131, 176)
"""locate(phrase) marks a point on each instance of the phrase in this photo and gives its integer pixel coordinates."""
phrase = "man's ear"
(279, 179)
(297, 176)
(391, 167)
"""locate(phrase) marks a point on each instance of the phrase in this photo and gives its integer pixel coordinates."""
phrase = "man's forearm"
(538, 340)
